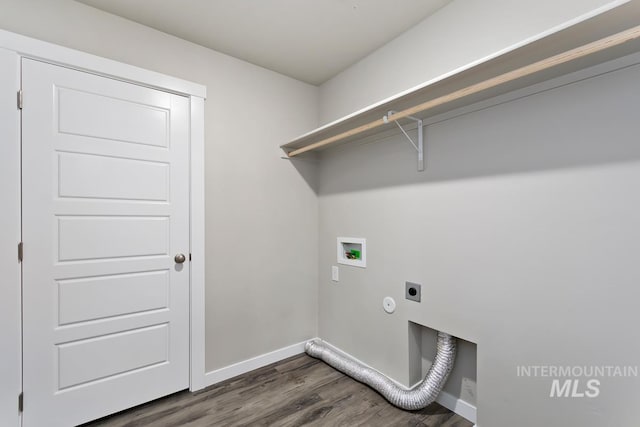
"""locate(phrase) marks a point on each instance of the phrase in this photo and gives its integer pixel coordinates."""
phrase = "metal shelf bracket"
(419, 146)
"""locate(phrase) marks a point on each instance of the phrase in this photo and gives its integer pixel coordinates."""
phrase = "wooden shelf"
(604, 37)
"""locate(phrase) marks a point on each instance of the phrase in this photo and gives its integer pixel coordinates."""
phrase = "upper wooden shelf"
(607, 36)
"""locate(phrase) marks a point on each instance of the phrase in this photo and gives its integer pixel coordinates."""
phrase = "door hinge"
(20, 251)
(20, 99)
(20, 402)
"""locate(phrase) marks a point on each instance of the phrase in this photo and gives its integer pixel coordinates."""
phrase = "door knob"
(180, 258)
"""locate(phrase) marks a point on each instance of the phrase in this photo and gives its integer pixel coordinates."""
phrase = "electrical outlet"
(413, 291)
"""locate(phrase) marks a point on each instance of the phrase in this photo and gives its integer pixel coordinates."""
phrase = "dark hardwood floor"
(299, 391)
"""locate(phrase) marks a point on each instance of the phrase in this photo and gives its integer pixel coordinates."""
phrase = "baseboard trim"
(214, 377)
(459, 406)
(449, 401)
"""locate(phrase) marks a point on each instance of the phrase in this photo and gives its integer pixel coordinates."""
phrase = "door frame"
(13, 48)
(10, 269)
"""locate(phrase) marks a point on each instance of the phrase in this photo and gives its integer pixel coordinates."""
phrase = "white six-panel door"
(105, 210)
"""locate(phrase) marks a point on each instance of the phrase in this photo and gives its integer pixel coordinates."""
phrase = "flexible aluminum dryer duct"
(411, 399)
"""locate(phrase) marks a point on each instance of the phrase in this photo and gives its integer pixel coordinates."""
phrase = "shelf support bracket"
(419, 146)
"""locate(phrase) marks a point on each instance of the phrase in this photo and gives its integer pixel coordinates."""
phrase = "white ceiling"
(310, 40)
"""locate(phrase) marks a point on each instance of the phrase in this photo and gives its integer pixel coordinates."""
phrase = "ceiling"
(310, 40)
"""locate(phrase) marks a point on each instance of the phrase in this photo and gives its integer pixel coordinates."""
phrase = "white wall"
(254, 199)
(461, 33)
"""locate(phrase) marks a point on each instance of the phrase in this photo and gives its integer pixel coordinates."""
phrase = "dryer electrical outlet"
(413, 291)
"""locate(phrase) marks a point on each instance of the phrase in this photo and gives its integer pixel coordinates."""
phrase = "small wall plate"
(389, 305)
(412, 291)
(352, 251)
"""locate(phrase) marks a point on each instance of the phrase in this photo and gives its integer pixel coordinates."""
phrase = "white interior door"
(105, 210)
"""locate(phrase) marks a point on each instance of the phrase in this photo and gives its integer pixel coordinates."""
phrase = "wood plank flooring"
(299, 391)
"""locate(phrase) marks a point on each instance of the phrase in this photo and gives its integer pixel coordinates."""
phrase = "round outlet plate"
(389, 305)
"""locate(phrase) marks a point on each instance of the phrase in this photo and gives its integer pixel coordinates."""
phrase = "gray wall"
(253, 199)
(462, 32)
(524, 231)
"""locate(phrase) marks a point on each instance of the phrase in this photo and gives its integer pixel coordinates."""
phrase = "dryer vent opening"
(415, 398)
